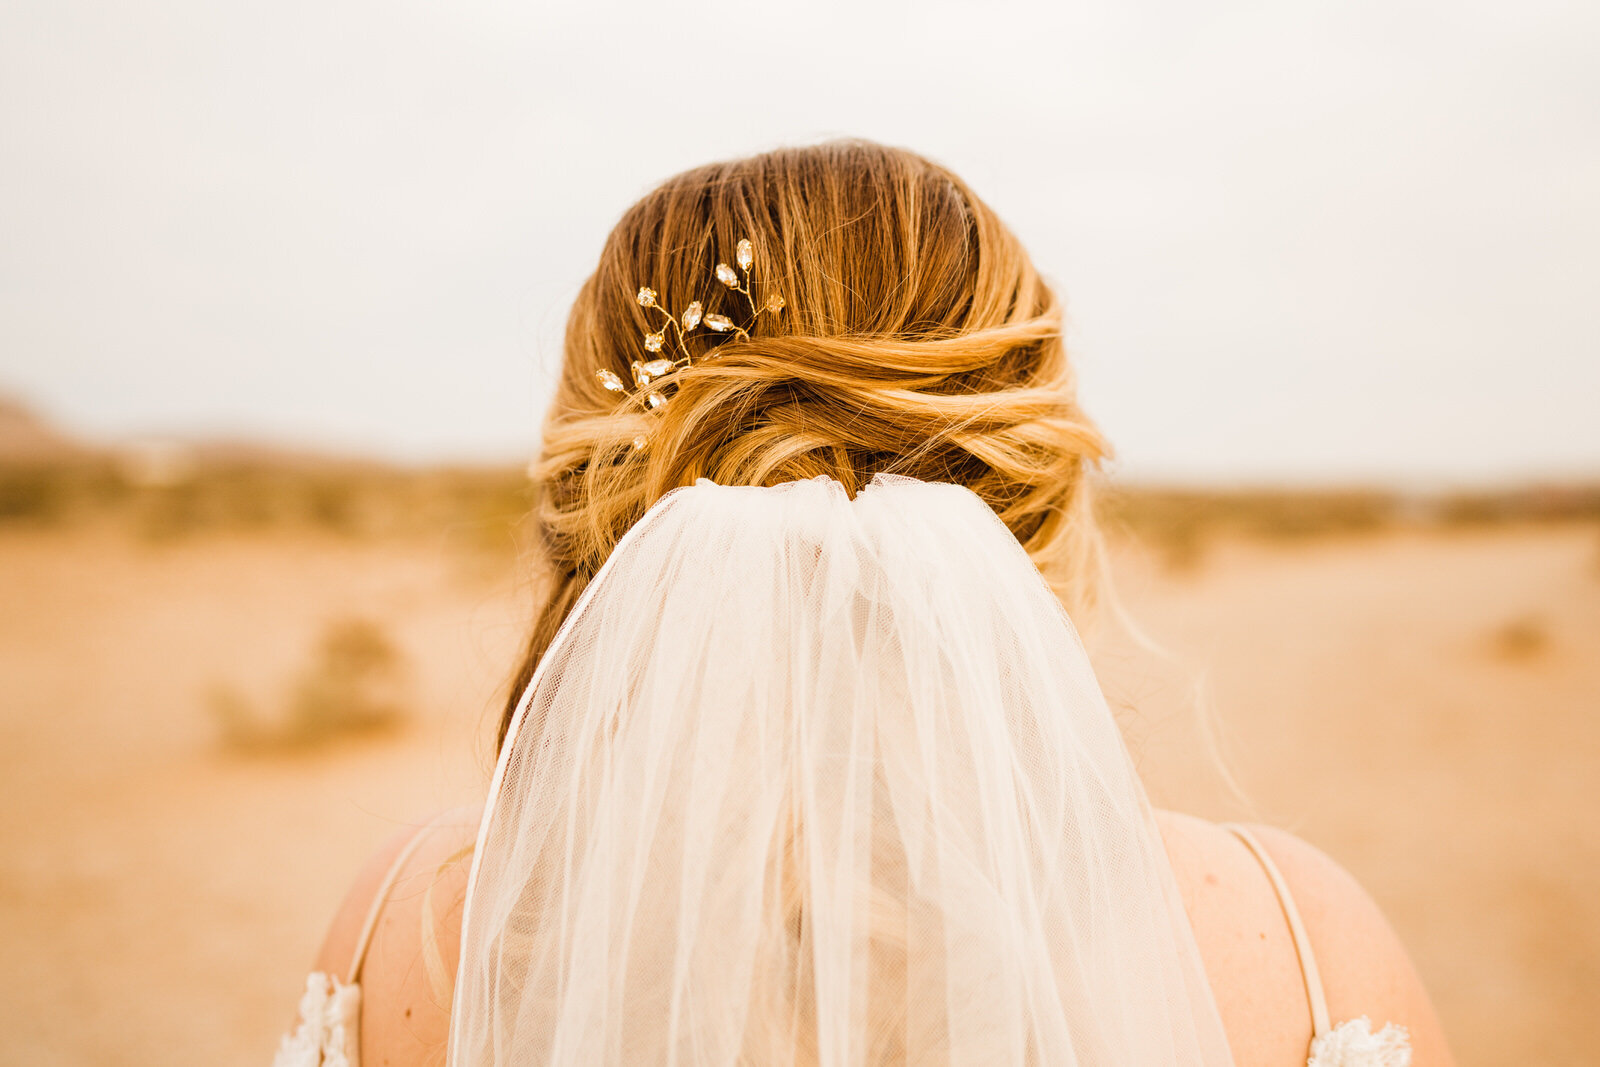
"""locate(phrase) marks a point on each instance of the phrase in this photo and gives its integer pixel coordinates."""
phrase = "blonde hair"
(918, 339)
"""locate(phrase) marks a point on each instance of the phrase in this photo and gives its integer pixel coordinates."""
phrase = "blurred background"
(282, 289)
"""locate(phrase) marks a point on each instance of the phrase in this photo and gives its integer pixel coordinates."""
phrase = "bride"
(803, 762)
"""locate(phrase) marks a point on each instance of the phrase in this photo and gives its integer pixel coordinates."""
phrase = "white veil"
(806, 780)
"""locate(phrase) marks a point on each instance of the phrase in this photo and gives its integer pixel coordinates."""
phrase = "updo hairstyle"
(917, 338)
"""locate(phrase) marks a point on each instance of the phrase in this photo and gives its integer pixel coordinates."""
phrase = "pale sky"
(1298, 241)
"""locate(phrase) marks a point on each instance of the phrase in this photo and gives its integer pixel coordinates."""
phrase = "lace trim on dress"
(1353, 1044)
(329, 1027)
(327, 1032)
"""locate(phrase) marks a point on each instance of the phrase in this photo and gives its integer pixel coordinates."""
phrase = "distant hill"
(27, 438)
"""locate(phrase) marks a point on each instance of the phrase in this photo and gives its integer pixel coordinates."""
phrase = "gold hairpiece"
(646, 373)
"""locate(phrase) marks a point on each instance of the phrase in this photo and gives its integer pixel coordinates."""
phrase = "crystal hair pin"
(648, 372)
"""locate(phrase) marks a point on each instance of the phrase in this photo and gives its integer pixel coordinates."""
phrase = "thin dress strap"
(380, 898)
(1302, 944)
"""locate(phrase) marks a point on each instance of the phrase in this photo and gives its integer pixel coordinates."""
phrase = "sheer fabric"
(812, 780)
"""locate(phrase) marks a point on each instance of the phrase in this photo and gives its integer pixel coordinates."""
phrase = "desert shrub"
(169, 512)
(56, 491)
(1180, 523)
(1536, 502)
(354, 685)
(1520, 639)
(35, 494)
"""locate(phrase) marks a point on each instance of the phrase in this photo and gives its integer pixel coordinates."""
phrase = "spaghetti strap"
(380, 898)
(1320, 1023)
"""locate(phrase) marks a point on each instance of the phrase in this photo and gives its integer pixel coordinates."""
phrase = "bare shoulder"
(406, 980)
(1365, 968)
(1238, 923)
(1250, 954)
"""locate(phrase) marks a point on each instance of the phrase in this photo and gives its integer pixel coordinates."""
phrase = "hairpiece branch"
(647, 373)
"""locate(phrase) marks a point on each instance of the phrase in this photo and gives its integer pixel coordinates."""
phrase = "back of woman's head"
(916, 338)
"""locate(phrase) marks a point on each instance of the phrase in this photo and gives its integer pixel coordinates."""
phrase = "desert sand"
(1423, 705)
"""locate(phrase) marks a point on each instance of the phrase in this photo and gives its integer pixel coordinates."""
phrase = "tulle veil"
(813, 780)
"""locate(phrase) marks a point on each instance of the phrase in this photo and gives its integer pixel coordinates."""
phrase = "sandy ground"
(1425, 707)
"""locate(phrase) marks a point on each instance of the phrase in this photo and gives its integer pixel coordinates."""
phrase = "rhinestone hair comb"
(648, 372)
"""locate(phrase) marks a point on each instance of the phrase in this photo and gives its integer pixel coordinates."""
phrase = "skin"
(1246, 946)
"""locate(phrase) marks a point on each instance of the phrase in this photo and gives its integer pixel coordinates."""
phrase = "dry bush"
(355, 685)
(1520, 639)
(54, 492)
(1182, 523)
(1536, 502)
